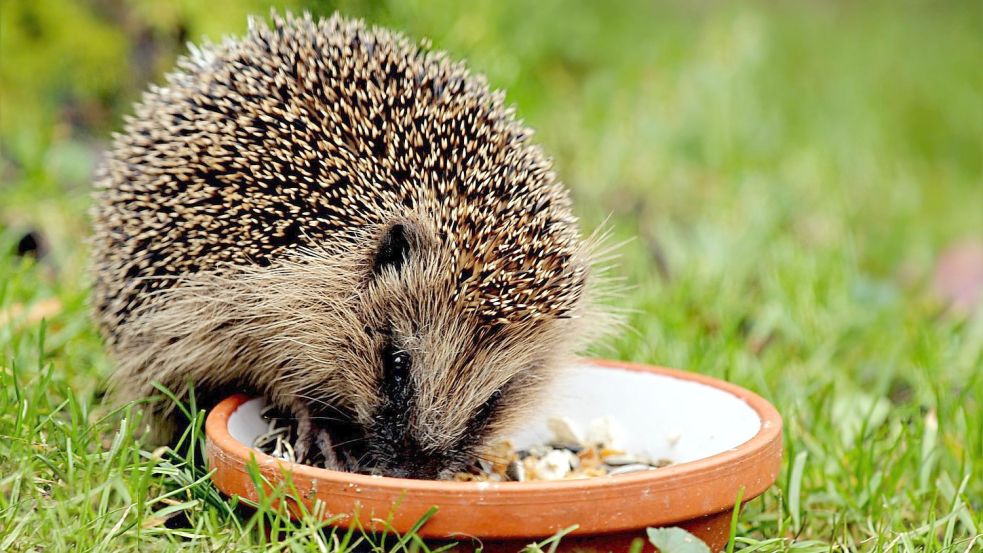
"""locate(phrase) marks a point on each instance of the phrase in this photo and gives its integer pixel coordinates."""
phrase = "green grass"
(790, 172)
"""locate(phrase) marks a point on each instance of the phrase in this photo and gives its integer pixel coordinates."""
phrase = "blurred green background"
(790, 173)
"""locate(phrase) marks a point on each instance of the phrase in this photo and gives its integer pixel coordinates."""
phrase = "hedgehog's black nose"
(426, 468)
(408, 464)
(418, 473)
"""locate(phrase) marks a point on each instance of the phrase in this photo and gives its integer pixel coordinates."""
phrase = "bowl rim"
(752, 465)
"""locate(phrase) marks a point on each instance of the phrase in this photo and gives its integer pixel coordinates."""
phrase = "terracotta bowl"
(722, 439)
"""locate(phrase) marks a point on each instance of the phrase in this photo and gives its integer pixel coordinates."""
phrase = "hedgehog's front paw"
(312, 440)
(305, 434)
(324, 443)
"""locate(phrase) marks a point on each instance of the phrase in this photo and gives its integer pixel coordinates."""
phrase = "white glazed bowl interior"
(657, 416)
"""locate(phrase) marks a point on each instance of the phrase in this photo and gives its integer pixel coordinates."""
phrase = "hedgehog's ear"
(393, 249)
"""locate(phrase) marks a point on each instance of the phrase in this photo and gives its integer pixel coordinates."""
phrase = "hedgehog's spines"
(270, 119)
(313, 136)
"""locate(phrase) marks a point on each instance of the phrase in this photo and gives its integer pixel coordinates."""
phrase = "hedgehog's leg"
(310, 436)
(327, 450)
(305, 432)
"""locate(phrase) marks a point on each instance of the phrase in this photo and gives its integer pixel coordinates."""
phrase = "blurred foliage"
(659, 99)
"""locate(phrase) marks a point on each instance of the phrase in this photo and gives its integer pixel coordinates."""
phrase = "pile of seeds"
(569, 455)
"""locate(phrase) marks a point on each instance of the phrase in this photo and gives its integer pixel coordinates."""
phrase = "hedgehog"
(351, 224)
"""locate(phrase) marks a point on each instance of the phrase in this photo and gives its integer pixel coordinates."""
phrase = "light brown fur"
(227, 257)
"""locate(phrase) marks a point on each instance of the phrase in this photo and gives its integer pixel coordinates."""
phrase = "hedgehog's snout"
(401, 455)
(420, 465)
(410, 461)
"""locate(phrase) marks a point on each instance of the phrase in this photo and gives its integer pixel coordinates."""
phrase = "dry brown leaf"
(153, 522)
(43, 309)
(958, 278)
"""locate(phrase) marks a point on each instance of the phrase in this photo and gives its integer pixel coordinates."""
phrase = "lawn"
(789, 173)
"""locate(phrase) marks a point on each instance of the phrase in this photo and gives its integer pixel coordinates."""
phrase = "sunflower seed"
(621, 460)
(516, 471)
(565, 431)
(627, 469)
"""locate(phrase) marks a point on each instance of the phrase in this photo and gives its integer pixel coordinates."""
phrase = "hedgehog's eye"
(397, 372)
(489, 406)
(400, 365)
(394, 250)
(485, 412)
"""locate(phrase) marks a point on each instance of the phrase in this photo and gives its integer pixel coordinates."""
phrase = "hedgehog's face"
(435, 386)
